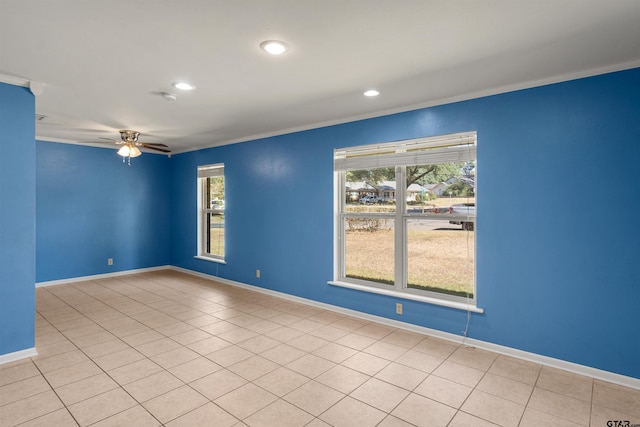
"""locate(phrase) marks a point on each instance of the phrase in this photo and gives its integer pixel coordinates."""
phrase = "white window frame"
(459, 147)
(205, 172)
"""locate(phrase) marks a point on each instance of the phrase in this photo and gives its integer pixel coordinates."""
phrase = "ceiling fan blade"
(155, 148)
(154, 144)
(100, 142)
(108, 141)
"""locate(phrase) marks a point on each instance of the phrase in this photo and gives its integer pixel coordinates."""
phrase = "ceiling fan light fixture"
(183, 85)
(134, 151)
(129, 146)
(124, 151)
(274, 47)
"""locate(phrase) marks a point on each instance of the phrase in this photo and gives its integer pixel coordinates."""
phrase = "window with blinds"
(406, 216)
(211, 212)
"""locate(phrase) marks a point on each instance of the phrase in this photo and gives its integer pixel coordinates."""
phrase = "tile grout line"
(533, 389)
(120, 386)
(243, 303)
(99, 367)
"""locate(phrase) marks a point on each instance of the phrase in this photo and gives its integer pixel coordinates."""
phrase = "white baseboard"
(588, 371)
(17, 355)
(99, 276)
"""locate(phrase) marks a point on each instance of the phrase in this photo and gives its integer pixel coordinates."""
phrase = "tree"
(433, 174)
(469, 174)
(417, 174)
(425, 196)
(373, 177)
(215, 186)
(460, 189)
(465, 184)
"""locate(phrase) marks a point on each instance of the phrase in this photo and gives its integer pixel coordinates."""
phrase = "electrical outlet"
(258, 274)
(110, 261)
(398, 308)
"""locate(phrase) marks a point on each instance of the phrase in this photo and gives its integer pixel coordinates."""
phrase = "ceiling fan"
(129, 145)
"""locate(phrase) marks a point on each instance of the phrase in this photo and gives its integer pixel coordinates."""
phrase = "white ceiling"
(103, 62)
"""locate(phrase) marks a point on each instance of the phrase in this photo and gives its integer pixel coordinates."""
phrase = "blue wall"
(17, 218)
(556, 236)
(556, 240)
(92, 206)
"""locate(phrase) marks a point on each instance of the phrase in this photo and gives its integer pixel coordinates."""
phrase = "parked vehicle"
(370, 199)
(217, 206)
(464, 209)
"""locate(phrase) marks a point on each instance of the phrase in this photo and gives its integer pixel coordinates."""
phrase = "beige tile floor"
(167, 348)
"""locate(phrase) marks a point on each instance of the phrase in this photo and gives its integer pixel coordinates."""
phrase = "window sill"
(419, 298)
(210, 259)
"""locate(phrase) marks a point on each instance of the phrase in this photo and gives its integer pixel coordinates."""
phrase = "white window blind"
(459, 147)
(208, 171)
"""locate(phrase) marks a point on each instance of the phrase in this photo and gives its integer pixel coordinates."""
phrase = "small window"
(211, 211)
(406, 216)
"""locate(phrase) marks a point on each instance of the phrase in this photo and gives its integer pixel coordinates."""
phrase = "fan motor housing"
(129, 135)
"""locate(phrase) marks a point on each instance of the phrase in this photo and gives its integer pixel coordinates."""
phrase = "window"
(406, 217)
(211, 211)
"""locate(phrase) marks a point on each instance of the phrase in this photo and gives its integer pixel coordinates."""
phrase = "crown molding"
(34, 86)
(498, 90)
(16, 81)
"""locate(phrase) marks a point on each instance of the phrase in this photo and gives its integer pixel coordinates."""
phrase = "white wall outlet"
(109, 261)
(398, 308)
(258, 274)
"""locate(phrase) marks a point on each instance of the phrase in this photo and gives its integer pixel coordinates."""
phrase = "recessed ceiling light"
(183, 86)
(274, 47)
(371, 92)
